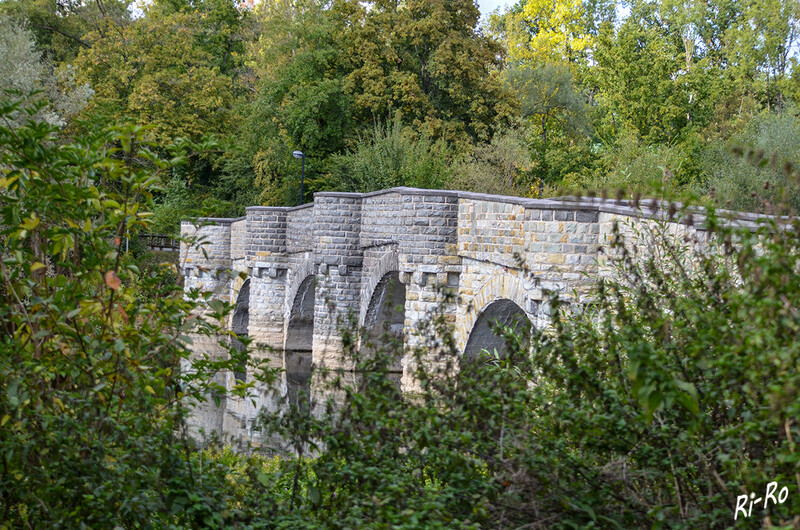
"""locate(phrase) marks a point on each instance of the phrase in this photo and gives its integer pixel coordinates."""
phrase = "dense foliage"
(93, 398)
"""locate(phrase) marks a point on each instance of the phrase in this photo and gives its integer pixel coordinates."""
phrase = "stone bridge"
(384, 257)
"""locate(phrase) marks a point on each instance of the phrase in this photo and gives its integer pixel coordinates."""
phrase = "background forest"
(539, 99)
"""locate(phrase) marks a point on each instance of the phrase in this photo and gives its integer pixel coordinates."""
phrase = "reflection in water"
(298, 378)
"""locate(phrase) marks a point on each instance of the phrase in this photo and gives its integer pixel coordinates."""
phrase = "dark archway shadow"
(240, 326)
(384, 322)
(484, 345)
(299, 341)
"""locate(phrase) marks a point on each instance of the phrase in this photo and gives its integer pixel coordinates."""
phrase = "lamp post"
(299, 154)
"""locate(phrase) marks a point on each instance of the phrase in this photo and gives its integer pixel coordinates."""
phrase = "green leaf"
(31, 222)
(314, 495)
(263, 478)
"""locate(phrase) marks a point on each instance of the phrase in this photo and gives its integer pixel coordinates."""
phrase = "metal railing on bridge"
(160, 242)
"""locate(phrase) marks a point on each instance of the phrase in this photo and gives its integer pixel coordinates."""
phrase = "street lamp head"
(298, 154)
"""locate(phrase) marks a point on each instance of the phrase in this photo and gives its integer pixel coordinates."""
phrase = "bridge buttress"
(206, 266)
(429, 265)
(259, 251)
(339, 260)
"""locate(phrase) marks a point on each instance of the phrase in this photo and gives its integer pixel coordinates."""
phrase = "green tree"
(154, 73)
(60, 28)
(761, 47)
(538, 31)
(92, 398)
(300, 103)
(333, 71)
(23, 70)
(643, 85)
(425, 59)
(556, 110)
(223, 30)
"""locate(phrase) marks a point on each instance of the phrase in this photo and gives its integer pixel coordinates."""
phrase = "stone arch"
(240, 326)
(501, 286)
(299, 275)
(482, 336)
(385, 314)
(298, 342)
(386, 263)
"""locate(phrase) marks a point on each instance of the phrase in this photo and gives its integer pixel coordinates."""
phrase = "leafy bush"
(499, 167)
(737, 184)
(638, 168)
(92, 400)
(392, 157)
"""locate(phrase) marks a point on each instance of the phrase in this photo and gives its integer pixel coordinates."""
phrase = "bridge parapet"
(300, 229)
(266, 232)
(238, 239)
(558, 247)
(383, 219)
(212, 250)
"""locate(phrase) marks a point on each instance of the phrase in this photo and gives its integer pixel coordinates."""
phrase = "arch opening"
(240, 326)
(483, 341)
(299, 340)
(385, 319)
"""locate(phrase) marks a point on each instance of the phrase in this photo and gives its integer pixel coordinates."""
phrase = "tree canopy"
(601, 95)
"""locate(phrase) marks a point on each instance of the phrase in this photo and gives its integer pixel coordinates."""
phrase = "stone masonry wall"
(206, 265)
(300, 229)
(338, 257)
(238, 238)
(482, 248)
